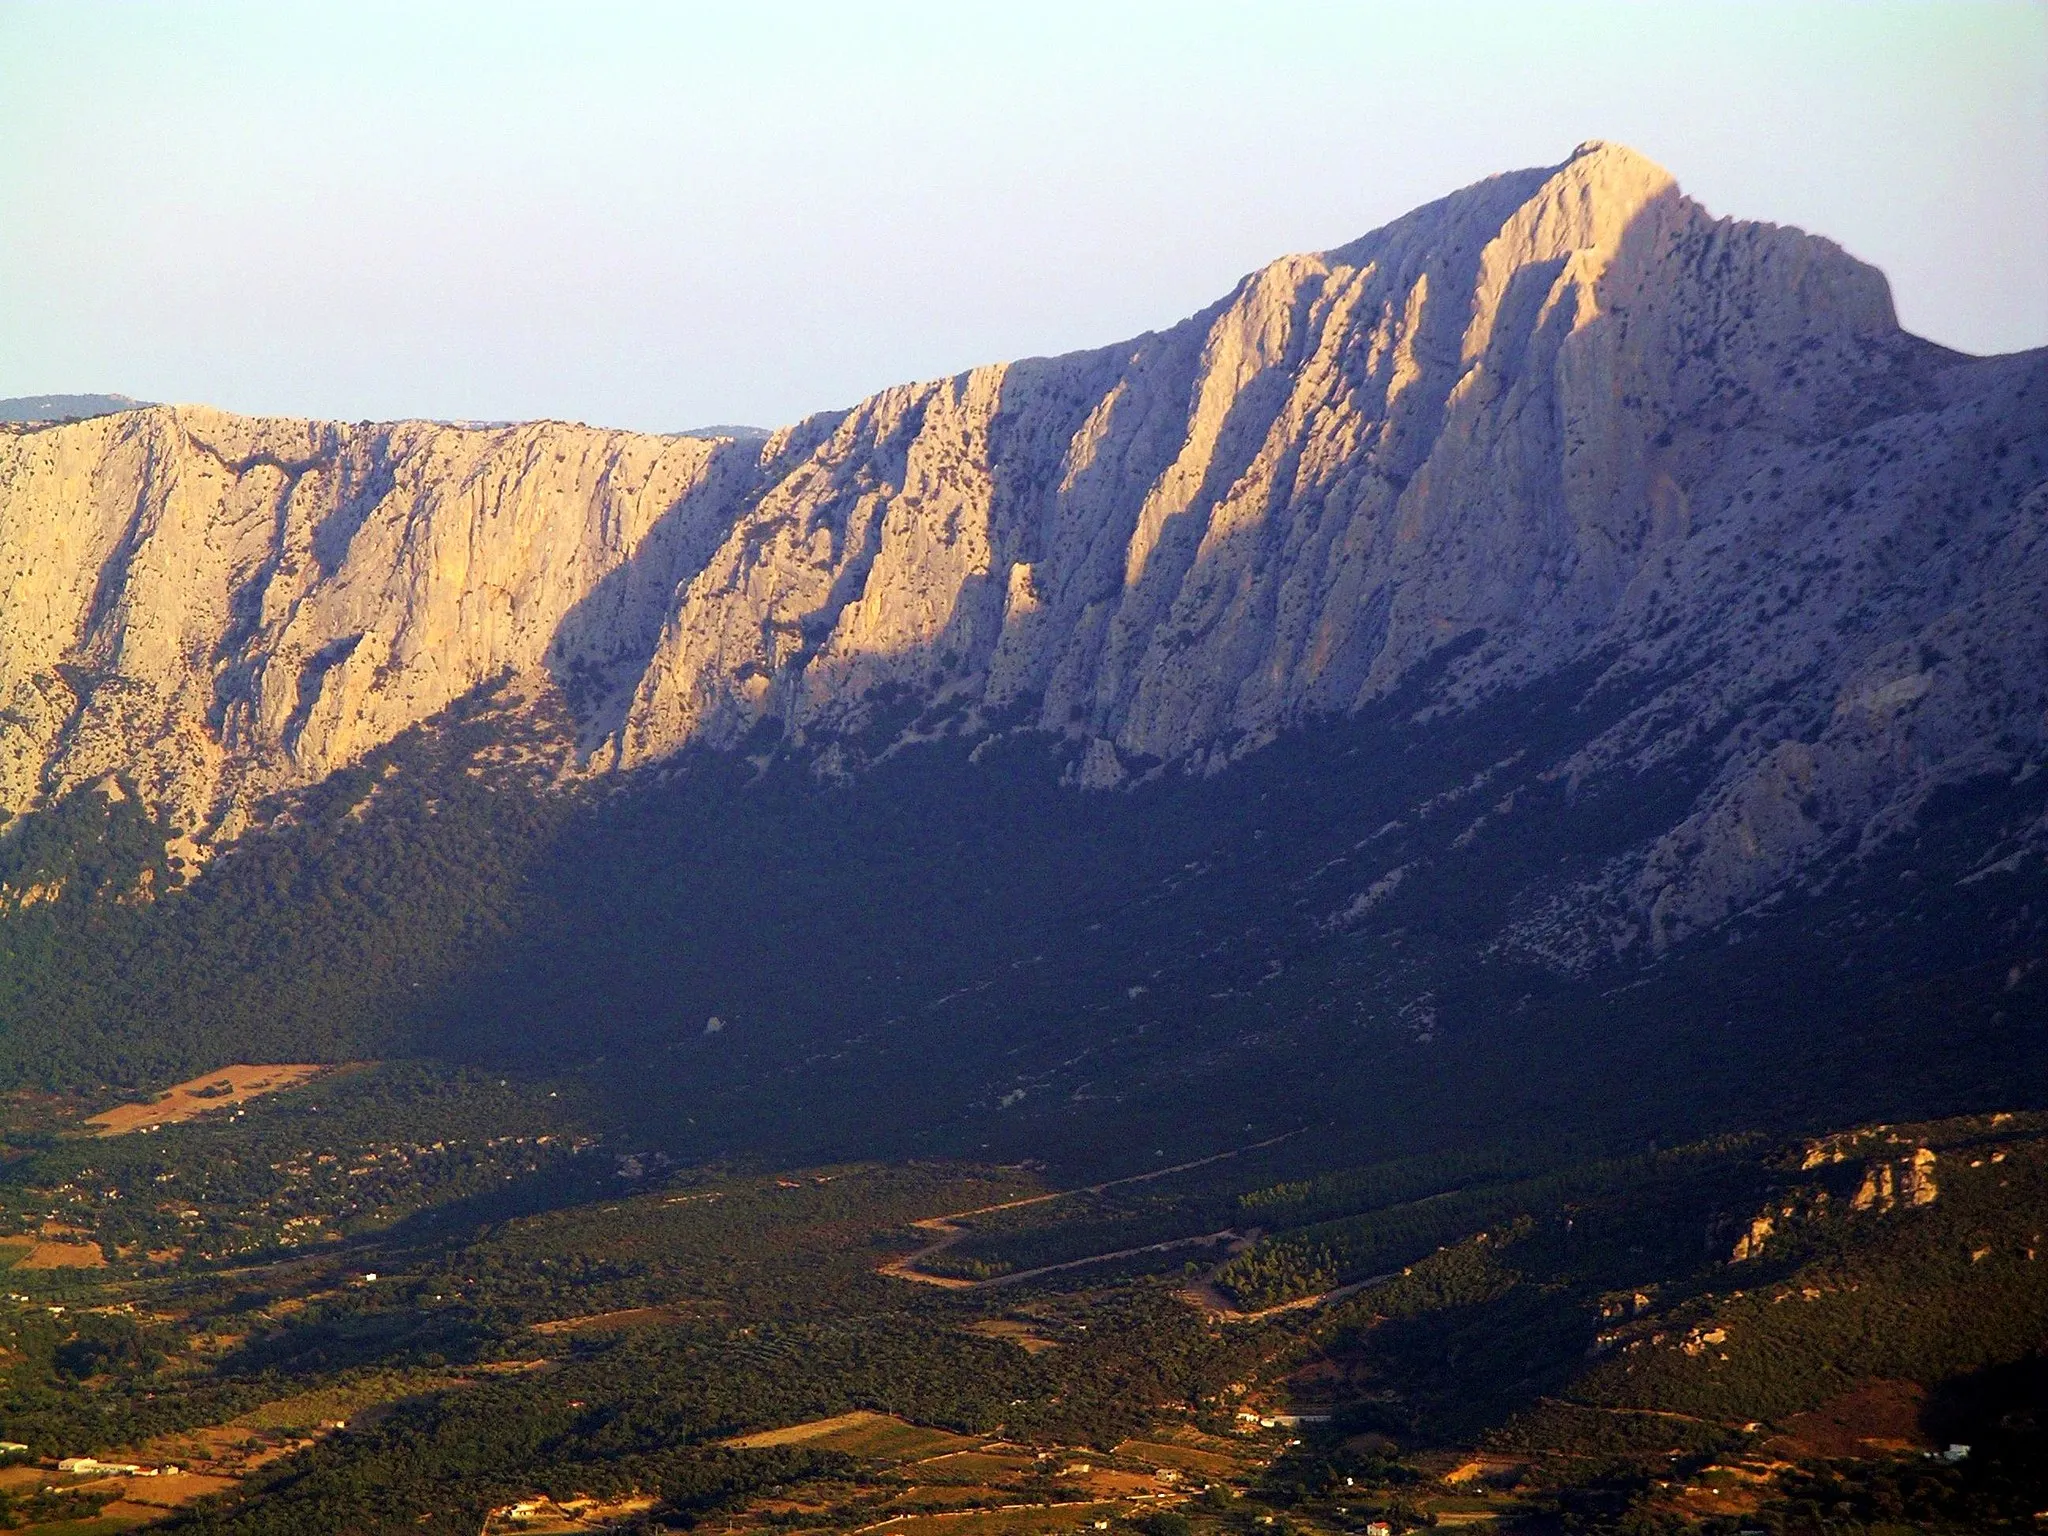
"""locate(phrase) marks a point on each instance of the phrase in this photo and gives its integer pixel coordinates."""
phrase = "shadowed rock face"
(1561, 415)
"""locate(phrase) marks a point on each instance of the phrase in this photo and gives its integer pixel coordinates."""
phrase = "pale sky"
(659, 216)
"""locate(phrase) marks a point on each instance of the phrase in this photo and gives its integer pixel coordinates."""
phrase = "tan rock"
(1560, 416)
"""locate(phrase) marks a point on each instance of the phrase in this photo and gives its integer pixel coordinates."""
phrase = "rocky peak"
(1561, 417)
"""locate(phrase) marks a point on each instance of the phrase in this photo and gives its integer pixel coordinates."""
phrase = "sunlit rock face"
(214, 605)
(1563, 416)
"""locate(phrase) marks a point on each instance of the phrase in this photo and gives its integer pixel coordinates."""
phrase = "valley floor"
(307, 1315)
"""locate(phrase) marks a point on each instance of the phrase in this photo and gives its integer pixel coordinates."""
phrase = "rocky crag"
(1563, 418)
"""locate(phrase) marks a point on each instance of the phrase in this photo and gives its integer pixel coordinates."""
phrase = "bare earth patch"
(224, 1089)
(1872, 1416)
(860, 1433)
(54, 1255)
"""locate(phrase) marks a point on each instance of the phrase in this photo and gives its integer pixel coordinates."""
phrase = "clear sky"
(660, 216)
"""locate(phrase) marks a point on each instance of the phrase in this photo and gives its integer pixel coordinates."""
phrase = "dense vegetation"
(605, 1326)
(771, 1313)
(355, 1152)
(737, 959)
(1324, 1254)
(317, 940)
(605, 1017)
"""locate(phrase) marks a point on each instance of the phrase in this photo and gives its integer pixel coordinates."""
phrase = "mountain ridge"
(1560, 416)
(61, 407)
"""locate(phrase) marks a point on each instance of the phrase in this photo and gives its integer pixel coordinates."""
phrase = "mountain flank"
(1561, 421)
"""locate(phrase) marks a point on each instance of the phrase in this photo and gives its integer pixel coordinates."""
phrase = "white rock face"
(1561, 417)
(214, 606)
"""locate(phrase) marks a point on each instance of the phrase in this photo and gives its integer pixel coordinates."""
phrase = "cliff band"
(1561, 418)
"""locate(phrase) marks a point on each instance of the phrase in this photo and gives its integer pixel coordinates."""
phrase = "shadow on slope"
(945, 958)
(948, 957)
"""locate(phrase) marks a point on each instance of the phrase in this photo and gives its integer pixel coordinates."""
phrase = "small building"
(92, 1466)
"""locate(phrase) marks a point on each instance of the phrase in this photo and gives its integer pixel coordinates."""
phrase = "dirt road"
(948, 1232)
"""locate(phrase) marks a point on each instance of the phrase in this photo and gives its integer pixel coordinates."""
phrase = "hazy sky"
(665, 215)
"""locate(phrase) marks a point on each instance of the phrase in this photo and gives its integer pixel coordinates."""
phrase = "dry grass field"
(147, 1499)
(57, 1255)
(202, 1095)
(974, 1467)
(51, 1250)
(1185, 1458)
(861, 1433)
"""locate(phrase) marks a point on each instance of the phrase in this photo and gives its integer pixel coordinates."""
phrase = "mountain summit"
(1562, 422)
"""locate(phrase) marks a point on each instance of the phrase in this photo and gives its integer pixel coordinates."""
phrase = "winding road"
(948, 1232)
(1202, 1294)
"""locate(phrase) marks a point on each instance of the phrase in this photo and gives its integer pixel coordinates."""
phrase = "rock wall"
(1561, 415)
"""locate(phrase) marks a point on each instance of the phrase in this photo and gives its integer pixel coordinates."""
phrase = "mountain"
(1419, 901)
(1561, 419)
(48, 408)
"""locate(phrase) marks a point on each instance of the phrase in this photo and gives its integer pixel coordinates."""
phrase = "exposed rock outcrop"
(1561, 416)
(1886, 1185)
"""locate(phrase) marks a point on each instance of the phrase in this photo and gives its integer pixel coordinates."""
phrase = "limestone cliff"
(1563, 416)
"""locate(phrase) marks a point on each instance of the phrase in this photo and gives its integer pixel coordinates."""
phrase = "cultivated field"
(53, 1250)
(1185, 1458)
